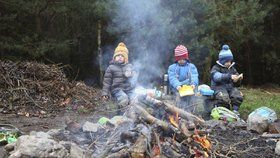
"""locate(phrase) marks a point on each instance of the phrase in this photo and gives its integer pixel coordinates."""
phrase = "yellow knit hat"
(122, 50)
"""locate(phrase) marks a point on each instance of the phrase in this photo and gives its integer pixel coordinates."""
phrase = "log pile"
(34, 89)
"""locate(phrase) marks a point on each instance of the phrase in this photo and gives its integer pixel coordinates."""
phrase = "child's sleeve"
(107, 82)
(173, 80)
(194, 75)
(235, 71)
(217, 76)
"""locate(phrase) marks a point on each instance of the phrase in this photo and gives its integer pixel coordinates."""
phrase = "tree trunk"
(99, 52)
(248, 64)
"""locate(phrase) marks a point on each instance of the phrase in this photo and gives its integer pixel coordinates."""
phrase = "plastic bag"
(259, 119)
(222, 113)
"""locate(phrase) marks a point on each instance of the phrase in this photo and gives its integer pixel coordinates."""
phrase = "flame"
(203, 141)
(156, 151)
(174, 120)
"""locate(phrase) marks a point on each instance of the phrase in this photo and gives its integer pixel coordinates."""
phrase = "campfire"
(149, 128)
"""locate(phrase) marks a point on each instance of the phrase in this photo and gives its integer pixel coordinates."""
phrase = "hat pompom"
(122, 44)
(225, 47)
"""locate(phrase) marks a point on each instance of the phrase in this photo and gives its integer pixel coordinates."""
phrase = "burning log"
(149, 118)
(140, 147)
(175, 110)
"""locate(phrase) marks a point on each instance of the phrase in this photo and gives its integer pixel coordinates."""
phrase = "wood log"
(138, 150)
(184, 114)
(173, 109)
(120, 154)
(149, 118)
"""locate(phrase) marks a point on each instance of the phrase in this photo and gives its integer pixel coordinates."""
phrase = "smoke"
(146, 29)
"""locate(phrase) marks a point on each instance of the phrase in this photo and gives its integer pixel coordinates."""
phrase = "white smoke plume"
(144, 26)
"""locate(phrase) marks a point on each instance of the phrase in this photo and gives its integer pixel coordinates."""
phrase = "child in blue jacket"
(224, 79)
(182, 72)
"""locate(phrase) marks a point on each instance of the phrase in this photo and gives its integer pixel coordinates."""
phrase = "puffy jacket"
(116, 78)
(221, 76)
(182, 75)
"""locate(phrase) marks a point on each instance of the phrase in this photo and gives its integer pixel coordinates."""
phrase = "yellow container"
(186, 91)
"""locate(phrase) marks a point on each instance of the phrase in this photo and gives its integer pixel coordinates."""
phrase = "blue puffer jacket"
(221, 76)
(182, 75)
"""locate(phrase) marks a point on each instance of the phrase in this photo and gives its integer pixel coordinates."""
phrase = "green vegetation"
(255, 98)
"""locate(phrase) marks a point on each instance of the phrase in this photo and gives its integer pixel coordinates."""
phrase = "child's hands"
(105, 97)
(193, 86)
(235, 78)
(128, 73)
(178, 87)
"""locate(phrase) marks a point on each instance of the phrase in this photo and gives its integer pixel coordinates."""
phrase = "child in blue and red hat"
(182, 72)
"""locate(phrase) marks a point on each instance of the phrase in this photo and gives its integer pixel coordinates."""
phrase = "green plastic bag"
(8, 133)
(8, 137)
(222, 113)
(103, 120)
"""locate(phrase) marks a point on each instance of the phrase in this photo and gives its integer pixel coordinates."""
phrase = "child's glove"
(105, 97)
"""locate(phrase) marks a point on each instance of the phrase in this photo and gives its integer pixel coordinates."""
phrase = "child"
(117, 78)
(182, 72)
(223, 81)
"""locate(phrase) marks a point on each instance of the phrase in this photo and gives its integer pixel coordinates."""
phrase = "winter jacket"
(221, 76)
(117, 78)
(182, 75)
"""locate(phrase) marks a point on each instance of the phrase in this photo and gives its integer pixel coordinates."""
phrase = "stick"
(265, 135)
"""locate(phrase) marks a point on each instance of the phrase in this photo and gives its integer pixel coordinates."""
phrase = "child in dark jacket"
(182, 72)
(117, 77)
(224, 79)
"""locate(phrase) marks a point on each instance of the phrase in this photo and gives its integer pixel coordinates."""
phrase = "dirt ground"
(27, 124)
(55, 121)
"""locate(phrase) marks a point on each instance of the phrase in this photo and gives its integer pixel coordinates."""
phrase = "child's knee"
(236, 97)
(223, 96)
(123, 100)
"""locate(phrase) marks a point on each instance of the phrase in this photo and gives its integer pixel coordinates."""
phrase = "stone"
(274, 127)
(77, 152)
(90, 127)
(277, 148)
(40, 134)
(38, 145)
(257, 124)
